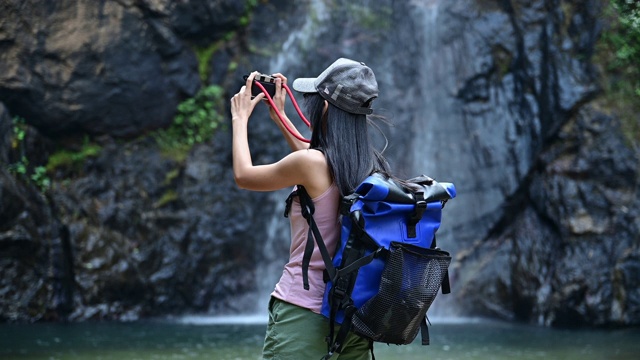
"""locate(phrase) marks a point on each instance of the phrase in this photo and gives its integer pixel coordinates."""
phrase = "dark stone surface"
(493, 96)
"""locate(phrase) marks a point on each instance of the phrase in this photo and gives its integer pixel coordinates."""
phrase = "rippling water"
(241, 338)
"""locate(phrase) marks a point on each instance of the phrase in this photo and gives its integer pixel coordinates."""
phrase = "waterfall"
(404, 97)
(436, 153)
(275, 248)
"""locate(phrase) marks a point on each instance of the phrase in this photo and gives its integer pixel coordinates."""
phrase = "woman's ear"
(326, 107)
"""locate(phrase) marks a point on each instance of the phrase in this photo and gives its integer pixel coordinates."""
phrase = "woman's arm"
(241, 108)
(304, 167)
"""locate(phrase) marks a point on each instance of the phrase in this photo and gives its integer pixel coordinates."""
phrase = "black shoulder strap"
(307, 212)
(424, 330)
(446, 285)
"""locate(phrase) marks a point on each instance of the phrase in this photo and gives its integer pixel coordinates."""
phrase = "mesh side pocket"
(410, 282)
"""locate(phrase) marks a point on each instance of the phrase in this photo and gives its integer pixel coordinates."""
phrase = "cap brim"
(305, 85)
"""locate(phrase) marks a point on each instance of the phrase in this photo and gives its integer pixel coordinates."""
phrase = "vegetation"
(249, 7)
(38, 174)
(618, 53)
(204, 55)
(168, 197)
(17, 141)
(73, 159)
(195, 122)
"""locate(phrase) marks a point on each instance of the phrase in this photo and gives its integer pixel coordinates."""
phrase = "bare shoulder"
(317, 177)
(308, 157)
(315, 156)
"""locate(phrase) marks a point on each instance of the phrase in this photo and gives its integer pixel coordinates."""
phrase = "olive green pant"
(298, 334)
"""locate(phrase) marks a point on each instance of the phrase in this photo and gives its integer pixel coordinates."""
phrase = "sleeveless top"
(326, 215)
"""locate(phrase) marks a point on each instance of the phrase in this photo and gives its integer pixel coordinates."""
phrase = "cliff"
(498, 97)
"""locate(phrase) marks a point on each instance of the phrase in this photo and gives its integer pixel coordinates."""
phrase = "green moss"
(170, 176)
(204, 55)
(167, 197)
(233, 65)
(72, 159)
(178, 154)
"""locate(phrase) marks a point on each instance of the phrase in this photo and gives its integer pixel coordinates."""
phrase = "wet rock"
(493, 96)
(79, 67)
(572, 249)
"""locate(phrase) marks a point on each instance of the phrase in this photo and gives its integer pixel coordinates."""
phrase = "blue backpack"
(387, 269)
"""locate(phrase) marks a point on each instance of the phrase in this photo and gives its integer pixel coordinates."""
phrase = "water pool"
(229, 340)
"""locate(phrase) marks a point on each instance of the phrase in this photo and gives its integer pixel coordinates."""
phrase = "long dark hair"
(344, 139)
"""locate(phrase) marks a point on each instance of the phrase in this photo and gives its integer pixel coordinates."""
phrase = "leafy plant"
(21, 167)
(196, 120)
(19, 131)
(40, 178)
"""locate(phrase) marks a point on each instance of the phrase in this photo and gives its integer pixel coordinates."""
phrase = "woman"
(336, 160)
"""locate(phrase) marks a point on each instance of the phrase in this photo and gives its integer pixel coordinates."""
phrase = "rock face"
(496, 97)
(567, 255)
(114, 67)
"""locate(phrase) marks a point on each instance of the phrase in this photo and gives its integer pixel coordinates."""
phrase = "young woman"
(336, 160)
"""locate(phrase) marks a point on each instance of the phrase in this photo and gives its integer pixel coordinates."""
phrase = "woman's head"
(337, 110)
(347, 84)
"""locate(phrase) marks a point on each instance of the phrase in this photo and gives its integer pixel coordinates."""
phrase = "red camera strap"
(280, 116)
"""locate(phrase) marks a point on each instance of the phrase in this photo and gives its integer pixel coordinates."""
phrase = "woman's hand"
(241, 103)
(283, 123)
(279, 97)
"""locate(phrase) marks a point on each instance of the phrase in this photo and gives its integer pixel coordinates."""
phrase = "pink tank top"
(326, 215)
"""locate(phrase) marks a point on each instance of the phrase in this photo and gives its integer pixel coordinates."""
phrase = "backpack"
(387, 269)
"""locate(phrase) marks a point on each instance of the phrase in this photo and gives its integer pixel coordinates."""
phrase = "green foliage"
(40, 178)
(619, 55)
(37, 175)
(19, 167)
(196, 120)
(250, 6)
(19, 131)
(204, 55)
(624, 36)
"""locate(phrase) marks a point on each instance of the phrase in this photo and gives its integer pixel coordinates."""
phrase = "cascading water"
(275, 248)
(393, 83)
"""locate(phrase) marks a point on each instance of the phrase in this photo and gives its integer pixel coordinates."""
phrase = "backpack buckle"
(346, 202)
(338, 293)
(339, 289)
(421, 206)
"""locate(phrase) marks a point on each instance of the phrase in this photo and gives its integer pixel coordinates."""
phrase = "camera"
(267, 81)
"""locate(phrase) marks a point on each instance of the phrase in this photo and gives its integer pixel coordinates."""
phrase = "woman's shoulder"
(313, 164)
(310, 156)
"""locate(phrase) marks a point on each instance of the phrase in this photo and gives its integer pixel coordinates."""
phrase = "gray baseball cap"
(350, 85)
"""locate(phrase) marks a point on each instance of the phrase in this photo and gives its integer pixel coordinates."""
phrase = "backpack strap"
(446, 285)
(307, 212)
(344, 281)
(424, 331)
(421, 206)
